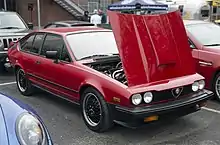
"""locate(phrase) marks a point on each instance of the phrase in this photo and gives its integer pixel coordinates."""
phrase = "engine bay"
(110, 66)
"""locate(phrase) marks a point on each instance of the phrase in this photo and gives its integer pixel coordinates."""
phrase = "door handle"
(37, 62)
(202, 63)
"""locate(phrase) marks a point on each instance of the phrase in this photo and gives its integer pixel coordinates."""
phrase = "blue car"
(20, 124)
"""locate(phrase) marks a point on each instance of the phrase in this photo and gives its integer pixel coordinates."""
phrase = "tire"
(105, 120)
(216, 84)
(2, 67)
(24, 87)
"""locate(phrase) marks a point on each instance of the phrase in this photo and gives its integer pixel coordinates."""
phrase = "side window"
(52, 42)
(37, 43)
(65, 55)
(26, 44)
(191, 45)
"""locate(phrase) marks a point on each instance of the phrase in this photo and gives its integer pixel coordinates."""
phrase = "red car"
(204, 40)
(124, 76)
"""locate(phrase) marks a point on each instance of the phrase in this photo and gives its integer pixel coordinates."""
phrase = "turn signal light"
(151, 118)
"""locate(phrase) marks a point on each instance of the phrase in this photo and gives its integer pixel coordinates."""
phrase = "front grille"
(7, 41)
(167, 94)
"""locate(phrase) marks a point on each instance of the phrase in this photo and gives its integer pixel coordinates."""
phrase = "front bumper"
(172, 109)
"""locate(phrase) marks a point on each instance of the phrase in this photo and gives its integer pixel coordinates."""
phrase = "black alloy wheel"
(23, 84)
(95, 111)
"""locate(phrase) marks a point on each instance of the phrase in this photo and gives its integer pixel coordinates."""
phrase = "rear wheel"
(95, 111)
(23, 84)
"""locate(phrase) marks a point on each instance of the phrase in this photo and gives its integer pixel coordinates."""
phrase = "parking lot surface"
(66, 126)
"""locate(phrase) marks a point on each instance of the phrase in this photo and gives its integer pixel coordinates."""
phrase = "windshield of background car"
(92, 43)
(207, 34)
(11, 20)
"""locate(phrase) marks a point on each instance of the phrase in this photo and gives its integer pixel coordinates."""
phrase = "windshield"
(207, 34)
(12, 21)
(90, 44)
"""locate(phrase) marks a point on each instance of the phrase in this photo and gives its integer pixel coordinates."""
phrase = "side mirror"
(30, 26)
(192, 46)
(52, 55)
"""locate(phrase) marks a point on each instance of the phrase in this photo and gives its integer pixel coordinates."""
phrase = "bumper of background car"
(140, 115)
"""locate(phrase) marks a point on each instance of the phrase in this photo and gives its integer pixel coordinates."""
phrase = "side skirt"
(41, 88)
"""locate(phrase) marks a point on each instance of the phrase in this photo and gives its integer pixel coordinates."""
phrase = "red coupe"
(132, 75)
(204, 40)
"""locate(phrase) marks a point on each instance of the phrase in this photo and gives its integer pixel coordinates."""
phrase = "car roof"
(72, 22)
(194, 22)
(71, 30)
(7, 12)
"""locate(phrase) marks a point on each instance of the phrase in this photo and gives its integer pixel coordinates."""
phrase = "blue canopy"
(144, 5)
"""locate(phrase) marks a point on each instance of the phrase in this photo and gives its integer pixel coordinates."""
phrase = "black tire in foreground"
(95, 111)
(23, 84)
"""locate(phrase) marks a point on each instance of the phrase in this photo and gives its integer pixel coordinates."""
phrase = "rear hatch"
(152, 47)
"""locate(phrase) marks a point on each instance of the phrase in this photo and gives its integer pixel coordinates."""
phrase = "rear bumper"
(172, 109)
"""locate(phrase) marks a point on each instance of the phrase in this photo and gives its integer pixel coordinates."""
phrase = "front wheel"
(95, 111)
(23, 84)
(216, 86)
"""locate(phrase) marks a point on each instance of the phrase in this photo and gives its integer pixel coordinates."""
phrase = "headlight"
(195, 86)
(148, 97)
(29, 130)
(201, 84)
(136, 99)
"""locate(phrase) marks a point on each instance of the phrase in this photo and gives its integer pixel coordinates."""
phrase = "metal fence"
(90, 5)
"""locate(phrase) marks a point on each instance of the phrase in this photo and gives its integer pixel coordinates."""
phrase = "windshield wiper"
(10, 28)
(92, 56)
(212, 45)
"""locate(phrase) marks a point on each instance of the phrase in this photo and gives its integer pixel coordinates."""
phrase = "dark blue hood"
(11, 108)
(3, 129)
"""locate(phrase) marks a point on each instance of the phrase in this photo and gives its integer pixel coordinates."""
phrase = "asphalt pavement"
(66, 126)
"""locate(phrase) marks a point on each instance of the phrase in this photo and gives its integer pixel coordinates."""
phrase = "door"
(30, 47)
(57, 75)
(204, 63)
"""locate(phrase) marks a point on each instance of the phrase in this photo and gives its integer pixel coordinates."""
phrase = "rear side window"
(52, 43)
(26, 43)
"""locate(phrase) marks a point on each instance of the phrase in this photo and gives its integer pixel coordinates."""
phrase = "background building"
(54, 10)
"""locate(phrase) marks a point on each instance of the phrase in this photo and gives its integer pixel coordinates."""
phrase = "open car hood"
(152, 47)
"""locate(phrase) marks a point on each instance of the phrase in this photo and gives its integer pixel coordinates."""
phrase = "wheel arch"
(214, 76)
(16, 68)
(83, 87)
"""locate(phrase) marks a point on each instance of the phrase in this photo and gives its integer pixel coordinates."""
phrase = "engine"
(111, 69)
